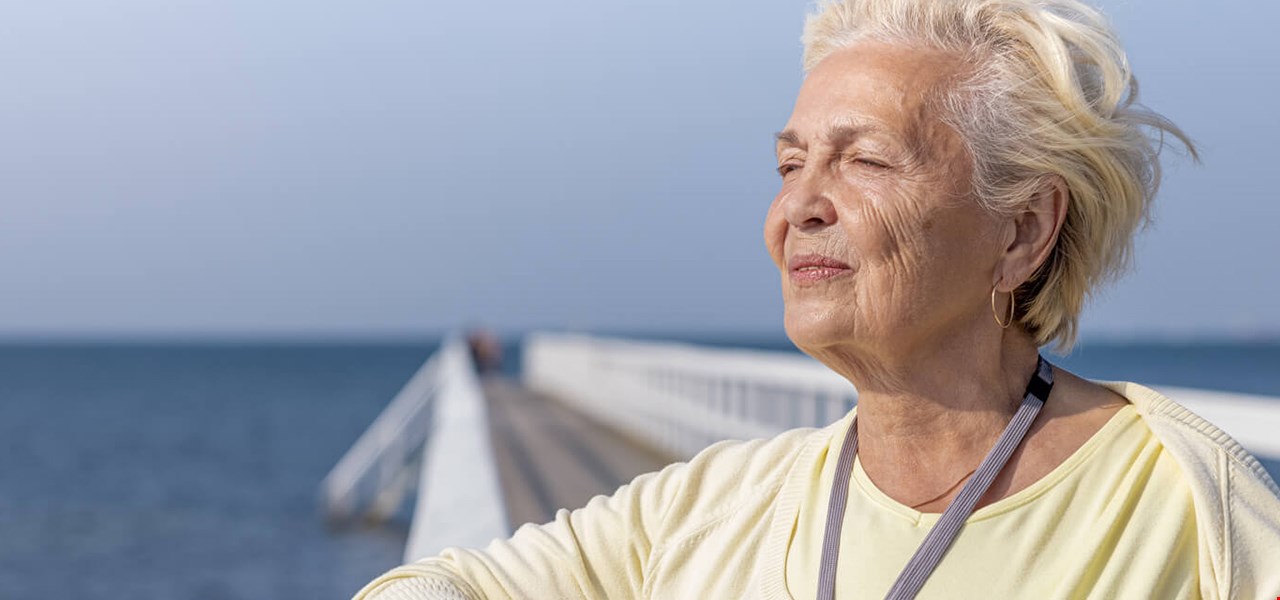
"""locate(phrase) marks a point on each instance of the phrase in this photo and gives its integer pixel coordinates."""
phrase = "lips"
(814, 268)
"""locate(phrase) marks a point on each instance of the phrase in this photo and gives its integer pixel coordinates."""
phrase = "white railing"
(681, 398)
(439, 424)
(460, 501)
(373, 476)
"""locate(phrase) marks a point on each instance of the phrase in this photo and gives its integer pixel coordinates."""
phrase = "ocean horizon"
(164, 469)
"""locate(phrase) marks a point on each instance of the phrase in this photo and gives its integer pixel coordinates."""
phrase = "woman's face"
(878, 239)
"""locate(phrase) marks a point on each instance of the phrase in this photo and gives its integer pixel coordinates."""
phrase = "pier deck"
(550, 456)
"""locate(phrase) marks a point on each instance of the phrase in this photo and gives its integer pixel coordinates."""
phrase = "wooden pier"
(551, 457)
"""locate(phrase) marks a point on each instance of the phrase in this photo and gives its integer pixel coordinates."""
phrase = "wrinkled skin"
(875, 180)
(872, 177)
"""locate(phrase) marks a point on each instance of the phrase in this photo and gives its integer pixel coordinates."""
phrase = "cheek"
(879, 232)
(932, 253)
(775, 232)
(895, 238)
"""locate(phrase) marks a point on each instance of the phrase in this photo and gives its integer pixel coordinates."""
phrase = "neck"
(935, 411)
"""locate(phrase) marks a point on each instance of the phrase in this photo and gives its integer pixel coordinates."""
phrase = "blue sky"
(384, 167)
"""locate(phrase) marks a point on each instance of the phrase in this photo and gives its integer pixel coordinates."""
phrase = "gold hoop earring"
(996, 313)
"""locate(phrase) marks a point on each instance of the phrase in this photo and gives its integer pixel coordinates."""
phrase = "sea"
(190, 471)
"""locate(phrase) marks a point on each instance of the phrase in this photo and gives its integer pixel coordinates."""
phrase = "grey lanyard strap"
(939, 539)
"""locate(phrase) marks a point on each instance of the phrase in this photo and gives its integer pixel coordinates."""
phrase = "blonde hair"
(1048, 92)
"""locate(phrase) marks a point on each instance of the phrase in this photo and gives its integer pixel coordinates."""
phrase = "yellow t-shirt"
(1115, 520)
(729, 524)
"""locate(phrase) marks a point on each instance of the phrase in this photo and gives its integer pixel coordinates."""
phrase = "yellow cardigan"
(718, 526)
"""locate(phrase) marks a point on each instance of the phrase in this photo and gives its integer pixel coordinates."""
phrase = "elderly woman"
(957, 176)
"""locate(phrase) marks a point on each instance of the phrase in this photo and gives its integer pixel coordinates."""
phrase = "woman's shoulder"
(732, 476)
(761, 457)
(1237, 502)
(730, 466)
(1197, 443)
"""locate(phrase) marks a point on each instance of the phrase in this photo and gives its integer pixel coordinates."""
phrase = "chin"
(812, 330)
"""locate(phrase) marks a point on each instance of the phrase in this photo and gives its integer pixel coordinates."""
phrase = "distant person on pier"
(486, 350)
(957, 177)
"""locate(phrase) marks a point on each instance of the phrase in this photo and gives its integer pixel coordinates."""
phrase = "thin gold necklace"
(946, 491)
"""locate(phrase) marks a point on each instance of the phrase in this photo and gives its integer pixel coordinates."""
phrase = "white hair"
(1048, 92)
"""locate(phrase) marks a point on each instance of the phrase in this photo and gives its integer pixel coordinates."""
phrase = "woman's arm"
(599, 551)
(611, 548)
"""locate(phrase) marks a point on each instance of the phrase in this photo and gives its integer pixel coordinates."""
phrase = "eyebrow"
(787, 137)
(845, 133)
(839, 135)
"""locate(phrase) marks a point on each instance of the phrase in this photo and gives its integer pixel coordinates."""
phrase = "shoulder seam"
(1231, 449)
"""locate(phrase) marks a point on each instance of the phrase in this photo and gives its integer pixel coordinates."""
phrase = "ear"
(1035, 233)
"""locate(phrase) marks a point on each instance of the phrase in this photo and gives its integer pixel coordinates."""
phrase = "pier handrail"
(679, 397)
(439, 423)
(460, 500)
(375, 463)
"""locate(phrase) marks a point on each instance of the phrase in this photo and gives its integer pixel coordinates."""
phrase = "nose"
(808, 206)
